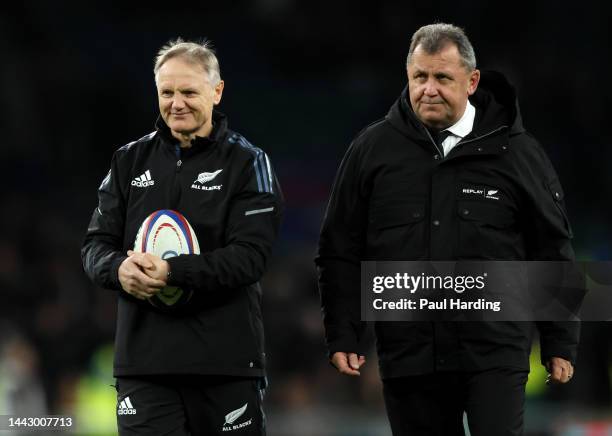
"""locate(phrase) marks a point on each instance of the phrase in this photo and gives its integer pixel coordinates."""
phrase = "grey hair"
(199, 53)
(434, 37)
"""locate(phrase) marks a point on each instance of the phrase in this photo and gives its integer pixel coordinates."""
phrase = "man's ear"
(473, 82)
(218, 92)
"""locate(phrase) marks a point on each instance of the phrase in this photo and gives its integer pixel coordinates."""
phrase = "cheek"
(165, 106)
(197, 105)
(454, 99)
(415, 94)
(449, 97)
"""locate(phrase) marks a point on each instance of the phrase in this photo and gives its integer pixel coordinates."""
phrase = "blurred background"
(302, 78)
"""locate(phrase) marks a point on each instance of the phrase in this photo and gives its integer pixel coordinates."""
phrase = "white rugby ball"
(166, 233)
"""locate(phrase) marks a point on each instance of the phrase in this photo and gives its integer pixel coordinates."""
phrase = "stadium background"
(302, 78)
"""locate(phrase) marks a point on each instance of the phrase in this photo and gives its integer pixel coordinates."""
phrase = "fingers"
(348, 363)
(355, 361)
(556, 373)
(362, 360)
(340, 361)
(135, 282)
(147, 282)
(141, 259)
(151, 265)
(561, 371)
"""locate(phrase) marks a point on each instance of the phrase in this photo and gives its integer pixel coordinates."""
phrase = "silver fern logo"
(198, 184)
(231, 417)
(477, 191)
(207, 177)
(491, 193)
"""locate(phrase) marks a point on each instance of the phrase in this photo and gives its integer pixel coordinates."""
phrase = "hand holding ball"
(165, 234)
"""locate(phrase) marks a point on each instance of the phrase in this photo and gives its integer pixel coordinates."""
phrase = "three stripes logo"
(261, 164)
(125, 407)
(143, 180)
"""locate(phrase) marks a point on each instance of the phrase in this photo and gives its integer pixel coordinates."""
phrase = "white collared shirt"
(460, 129)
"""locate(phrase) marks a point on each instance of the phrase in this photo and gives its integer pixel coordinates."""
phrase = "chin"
(181, 128)
(432, 122)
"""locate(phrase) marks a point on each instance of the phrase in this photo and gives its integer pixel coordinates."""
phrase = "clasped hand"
(143, 274)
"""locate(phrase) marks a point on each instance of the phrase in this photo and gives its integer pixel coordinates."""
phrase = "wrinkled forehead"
(181, 70)
(446, 58)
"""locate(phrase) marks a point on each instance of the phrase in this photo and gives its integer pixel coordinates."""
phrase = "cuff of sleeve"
(558, 350)
(114, 272)
(178, 270)
(345, 345)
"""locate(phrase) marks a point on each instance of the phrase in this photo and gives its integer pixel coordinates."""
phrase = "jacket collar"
(496, 106)
(217, 134)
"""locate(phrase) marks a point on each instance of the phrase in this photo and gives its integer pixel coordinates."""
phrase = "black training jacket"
(396, 197)
(235, 216)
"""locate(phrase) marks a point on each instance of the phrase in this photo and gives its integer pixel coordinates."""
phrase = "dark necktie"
(441, 136)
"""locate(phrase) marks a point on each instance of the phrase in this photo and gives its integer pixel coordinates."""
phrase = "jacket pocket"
(396, 231)
(485, 214)
(390, 215)
(487, 231)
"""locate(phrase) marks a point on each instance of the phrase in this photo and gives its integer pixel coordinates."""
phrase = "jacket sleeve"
(101, 252)
(338, 262)
(548, 237)
(252, 225)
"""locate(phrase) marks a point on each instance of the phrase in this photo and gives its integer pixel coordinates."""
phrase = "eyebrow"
(438, 75)
(442, 74)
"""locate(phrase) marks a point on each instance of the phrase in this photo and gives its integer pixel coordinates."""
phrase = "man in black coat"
(194, 367)
(449, 174)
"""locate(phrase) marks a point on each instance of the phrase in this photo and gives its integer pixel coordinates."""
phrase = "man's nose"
(177, 102)
(431, 89)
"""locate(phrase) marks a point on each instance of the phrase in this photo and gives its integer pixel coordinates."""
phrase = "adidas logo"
(144, 180)
(125, 407)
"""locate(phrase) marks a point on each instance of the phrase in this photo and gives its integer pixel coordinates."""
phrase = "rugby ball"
(166, 233)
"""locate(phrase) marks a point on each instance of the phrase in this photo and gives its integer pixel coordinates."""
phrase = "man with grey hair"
(410, 188)
(195, 366)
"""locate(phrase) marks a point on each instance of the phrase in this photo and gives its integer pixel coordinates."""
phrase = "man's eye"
(166, 94)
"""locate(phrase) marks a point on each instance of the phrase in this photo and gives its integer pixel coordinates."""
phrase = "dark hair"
(434, 37)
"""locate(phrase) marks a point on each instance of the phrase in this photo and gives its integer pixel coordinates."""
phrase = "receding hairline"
(433, 38)
(187, 60)
(192, 53)
(449, 44)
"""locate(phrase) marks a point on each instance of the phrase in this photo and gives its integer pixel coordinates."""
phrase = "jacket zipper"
(176, 182)
(441, 152)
